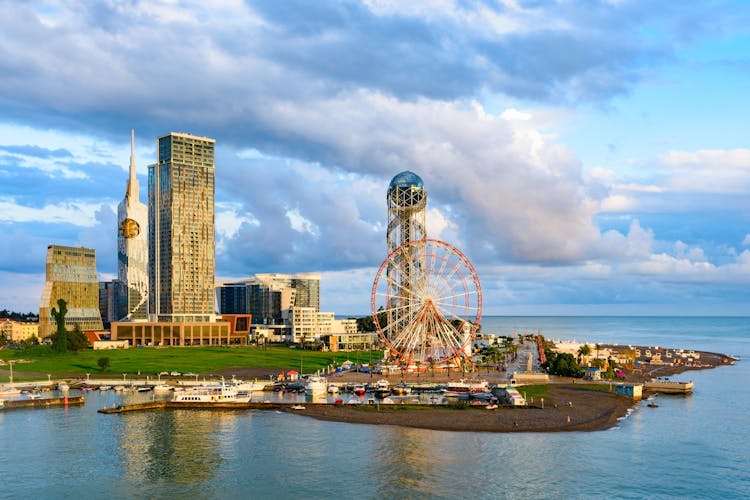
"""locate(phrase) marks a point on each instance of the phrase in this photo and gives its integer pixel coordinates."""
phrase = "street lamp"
(10, 363)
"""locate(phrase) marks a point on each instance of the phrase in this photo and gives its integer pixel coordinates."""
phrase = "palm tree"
(583, 351)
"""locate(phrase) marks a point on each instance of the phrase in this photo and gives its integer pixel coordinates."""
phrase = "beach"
(566, 408)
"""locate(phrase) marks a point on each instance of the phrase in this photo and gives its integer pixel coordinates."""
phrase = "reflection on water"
(687, 448)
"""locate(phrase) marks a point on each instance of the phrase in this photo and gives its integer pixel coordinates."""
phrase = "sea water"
(689, 447)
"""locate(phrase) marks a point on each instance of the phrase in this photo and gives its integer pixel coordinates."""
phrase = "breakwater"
(12, 404)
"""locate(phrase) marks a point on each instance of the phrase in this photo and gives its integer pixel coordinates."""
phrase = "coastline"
(589, 411)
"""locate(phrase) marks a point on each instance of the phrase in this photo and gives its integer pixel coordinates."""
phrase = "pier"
(43, 402)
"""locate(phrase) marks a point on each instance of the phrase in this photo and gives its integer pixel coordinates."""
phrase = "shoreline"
(588, 411)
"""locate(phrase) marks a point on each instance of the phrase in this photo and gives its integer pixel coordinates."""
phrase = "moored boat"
(63, 387)
(468, 386)
(333, 389)
(401, 389)
(668, 386)
(218, 393)
(382, 388)
(8, 391)
(316, 385)
(163, 389)
(359, 390)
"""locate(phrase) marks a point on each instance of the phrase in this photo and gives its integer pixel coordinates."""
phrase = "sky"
(588, 157)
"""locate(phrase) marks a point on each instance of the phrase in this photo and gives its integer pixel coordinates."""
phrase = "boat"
(63, 387)
(401, 389)
(333, 389)
(216, 393)
(652, 405)
(468, 386)
(297, 407)
(249, 386)
(8, 391)
(119, 388)
(104, 388)
(382, 388)
(316, 385)
(144, 388)
(162, 389)
(668, 386)
(359, 390)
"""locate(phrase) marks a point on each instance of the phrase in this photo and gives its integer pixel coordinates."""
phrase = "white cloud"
(76, 212)
(746, 241)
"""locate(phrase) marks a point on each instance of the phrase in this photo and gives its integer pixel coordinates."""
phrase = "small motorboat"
(144, 388)
(652, 405)
(297, 407)
(359, 390)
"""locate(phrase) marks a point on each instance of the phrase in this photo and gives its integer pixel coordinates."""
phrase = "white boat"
(104, 387)
(382, 388)
(162, 389)
(217, 393)
(316, 385)
(401, 389)
(668, 386)
(63, 387)
(249, 386)
(8, 391)
(119, 388)
(359, 390)
(297, 407)
(468, 386)
(333, 389)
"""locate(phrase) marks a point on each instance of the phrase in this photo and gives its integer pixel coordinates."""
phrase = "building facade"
(132, 249)
(17, 331)
(269, 297)
(181, 255)
(113, 301)
(70, 275)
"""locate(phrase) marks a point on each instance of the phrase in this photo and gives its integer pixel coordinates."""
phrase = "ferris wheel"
(427, 304)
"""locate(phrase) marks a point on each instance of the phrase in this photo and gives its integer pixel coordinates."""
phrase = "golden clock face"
(130, 228)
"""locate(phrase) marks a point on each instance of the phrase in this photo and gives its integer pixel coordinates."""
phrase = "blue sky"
(588, 157)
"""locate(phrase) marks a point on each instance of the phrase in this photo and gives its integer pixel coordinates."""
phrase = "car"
(175, 374)
(162, 374)
(190, 374)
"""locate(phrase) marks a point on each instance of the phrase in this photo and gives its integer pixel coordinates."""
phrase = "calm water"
(690, 447)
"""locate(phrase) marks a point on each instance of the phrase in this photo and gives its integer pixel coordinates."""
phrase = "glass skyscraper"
(181, 229)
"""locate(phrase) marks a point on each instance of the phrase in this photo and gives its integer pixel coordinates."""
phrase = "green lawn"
(151, 360)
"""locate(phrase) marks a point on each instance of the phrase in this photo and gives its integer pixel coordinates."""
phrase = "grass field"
(41, 360)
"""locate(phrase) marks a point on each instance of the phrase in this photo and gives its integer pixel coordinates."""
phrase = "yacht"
(333, 389)
(7, 391)
(359, 390)
(316, 385)
(382, 388)
(63, 387)
(219, 393)
(468, 386)
(249, 386)
(162, 389)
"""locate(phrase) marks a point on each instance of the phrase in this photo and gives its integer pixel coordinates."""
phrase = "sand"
(566, 408)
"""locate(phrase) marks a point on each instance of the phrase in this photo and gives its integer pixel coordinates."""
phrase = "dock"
(668, 387)
(11, 404)
(206, 405)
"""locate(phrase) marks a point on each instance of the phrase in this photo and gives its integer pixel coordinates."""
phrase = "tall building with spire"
(181, 230)
(132, 247)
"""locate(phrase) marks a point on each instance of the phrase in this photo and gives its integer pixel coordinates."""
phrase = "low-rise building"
(17, 331)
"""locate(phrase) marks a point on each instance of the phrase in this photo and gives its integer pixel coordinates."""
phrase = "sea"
(695, 446)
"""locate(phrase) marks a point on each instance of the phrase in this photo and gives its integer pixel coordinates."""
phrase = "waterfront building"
(113, 301)
(17, 331)
(181, 230)
(407, 202)
(269, 297)
(132, 252)
(70, 275)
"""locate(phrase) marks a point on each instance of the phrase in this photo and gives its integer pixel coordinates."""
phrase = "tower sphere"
(406, 179)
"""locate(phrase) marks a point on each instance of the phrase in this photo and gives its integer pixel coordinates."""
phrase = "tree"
(583, 351)
(77, 340)
(103, 364)
(60, 338)
(565, 364)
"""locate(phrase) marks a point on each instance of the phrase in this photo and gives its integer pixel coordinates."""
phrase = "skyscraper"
(132, 247)
(71, 275)
(181, 229)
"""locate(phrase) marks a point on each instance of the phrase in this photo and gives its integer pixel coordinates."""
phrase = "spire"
(132, 190)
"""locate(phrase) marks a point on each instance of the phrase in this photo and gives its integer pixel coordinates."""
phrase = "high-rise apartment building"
(132, 251)
(71, 275)
(181, 230)
(266, 296)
